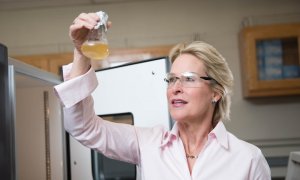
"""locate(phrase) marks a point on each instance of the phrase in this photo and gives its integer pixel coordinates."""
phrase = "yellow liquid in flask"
(95, 50)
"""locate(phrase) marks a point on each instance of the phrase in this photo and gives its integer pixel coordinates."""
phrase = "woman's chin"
(179, 118)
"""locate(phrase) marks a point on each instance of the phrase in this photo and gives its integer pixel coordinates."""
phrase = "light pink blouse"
(157, 152)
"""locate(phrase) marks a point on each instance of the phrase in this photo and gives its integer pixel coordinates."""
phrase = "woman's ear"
(216, 97)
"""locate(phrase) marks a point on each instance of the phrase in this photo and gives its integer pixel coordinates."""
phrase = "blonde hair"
(216, 67)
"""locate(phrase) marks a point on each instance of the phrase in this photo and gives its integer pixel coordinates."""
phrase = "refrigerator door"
(137, 88)
(37, 123)
(7, 141)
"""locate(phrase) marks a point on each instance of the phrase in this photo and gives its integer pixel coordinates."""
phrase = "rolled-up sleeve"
(117, 141)
(75, 90)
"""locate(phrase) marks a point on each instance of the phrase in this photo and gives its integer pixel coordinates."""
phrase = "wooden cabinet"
(53, 62)
(270, 64)
(48, 62)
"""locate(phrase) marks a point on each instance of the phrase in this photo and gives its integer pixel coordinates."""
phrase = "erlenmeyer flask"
(96, 46)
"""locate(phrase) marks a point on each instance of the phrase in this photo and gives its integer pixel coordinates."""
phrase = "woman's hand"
(78, 32)
(80, 28)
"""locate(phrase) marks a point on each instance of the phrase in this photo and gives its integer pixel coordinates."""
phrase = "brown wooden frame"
(252, 86)
(53, 62)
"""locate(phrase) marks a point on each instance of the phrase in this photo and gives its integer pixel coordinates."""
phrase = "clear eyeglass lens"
(186, 80)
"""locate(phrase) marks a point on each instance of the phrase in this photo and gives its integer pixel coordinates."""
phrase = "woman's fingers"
(81, 26)
(83, 21)
(86, 20)
(109, 24)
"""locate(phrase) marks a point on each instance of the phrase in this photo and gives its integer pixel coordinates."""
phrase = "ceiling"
(6, 5)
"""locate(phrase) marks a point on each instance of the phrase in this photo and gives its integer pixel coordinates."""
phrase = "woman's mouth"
(178, 102)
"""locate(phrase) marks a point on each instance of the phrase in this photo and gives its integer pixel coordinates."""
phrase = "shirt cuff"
(75, 90)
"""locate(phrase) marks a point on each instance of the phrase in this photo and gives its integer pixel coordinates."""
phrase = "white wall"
(162, 22)
(30, 134)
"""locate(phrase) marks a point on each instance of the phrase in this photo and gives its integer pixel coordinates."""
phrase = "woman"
(197, 147)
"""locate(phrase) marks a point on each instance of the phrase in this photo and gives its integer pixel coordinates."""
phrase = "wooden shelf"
(258, 80)
(53, 62)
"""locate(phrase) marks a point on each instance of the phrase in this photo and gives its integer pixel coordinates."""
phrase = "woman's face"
(187, 104)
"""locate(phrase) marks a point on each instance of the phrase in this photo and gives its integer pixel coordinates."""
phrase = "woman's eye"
(172, 80)
(189, 79)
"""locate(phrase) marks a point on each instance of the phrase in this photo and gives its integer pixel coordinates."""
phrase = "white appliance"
(137, 89)
(293, 171)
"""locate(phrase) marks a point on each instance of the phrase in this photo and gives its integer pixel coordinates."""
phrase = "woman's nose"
(177, 87)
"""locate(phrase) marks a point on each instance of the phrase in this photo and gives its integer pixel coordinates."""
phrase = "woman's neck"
(194, 136)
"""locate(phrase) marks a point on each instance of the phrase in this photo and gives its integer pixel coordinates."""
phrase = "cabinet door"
(53, 62)
(57, 61)
(48, 62)
(270, 60)
(38, 61)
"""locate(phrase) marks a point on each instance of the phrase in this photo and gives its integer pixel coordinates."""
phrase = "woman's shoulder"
(251, 155)
(239, 145)
(153, 134)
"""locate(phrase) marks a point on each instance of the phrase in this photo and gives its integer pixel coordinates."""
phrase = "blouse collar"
(219, 132)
